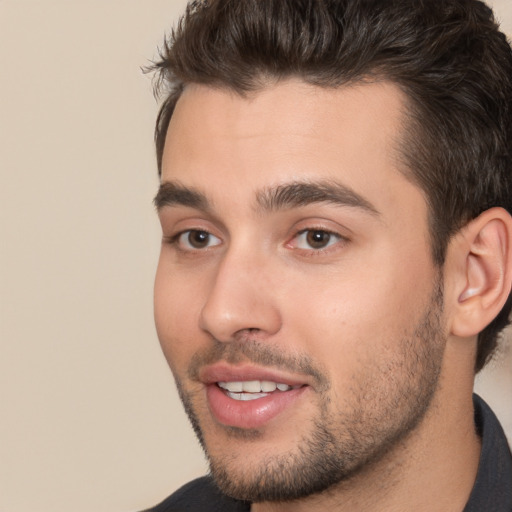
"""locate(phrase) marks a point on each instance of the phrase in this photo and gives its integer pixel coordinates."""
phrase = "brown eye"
(317, 239)
(197, 239)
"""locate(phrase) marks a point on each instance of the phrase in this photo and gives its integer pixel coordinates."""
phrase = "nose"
(242, 297)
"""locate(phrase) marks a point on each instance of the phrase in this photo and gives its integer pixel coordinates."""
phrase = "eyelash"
(175, 240)
(312, 251)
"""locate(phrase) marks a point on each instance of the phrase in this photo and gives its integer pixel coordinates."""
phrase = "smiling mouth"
(253, 389)
(246, 402)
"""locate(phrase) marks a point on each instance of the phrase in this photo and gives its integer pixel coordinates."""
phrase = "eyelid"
(332, 245)
(182, 245)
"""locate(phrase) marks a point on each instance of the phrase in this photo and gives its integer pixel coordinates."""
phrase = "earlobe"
(486, 276)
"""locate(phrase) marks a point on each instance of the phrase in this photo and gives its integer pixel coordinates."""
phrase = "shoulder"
(200, 495)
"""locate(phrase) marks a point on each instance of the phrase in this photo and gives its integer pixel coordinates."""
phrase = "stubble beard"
(383, 412)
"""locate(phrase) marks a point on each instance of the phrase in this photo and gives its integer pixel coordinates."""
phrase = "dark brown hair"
(448, 56)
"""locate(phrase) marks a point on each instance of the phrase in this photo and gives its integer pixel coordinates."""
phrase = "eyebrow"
(174, 194)
(280, 197)
(297, 194)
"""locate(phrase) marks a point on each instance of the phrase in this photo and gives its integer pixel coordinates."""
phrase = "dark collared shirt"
(492, 491)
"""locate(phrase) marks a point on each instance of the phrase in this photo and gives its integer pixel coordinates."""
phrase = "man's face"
(295, 299)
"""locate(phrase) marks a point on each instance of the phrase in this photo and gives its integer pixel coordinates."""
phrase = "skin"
(352, 310)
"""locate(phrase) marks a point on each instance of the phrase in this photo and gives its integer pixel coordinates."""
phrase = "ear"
(483, 279)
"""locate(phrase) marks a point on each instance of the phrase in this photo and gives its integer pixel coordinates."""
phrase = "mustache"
(256, 352)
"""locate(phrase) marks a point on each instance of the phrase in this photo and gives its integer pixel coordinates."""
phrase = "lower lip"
(249, 414)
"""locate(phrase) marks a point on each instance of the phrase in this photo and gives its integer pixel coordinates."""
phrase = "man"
(336, 262)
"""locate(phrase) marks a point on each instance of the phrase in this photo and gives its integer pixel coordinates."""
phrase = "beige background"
(89, 419)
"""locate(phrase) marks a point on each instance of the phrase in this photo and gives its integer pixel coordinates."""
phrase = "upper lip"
(222, 372)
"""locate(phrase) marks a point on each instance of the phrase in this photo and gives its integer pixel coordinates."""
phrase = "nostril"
(249, 333)
(249, 330)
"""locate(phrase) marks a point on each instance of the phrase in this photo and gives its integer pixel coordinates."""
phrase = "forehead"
(231, 146)
(359, 113)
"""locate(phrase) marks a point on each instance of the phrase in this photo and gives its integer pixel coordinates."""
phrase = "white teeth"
(234, 387)
(268, 386)
(254, 386)
(246, 396)
(251, 386)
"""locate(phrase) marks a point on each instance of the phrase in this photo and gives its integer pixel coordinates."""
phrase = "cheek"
(353, 318)
(176, 314)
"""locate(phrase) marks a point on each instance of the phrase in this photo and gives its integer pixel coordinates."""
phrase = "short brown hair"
(448, 56)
